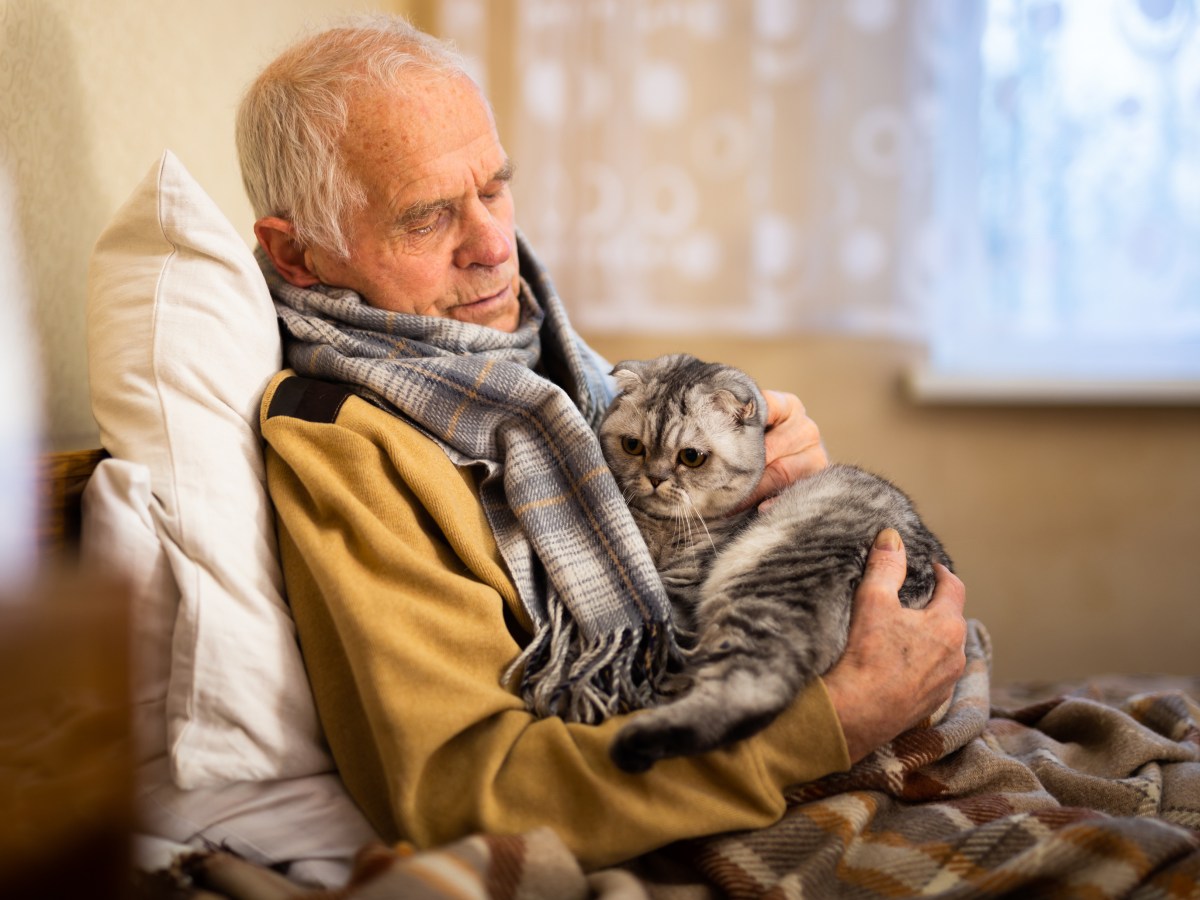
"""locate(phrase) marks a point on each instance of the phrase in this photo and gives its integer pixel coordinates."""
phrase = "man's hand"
(900, 664)
(794, 448)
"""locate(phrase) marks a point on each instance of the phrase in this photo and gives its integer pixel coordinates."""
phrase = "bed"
(1027, 790)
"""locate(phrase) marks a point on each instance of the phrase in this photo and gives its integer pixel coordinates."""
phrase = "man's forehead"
(432, 131)
(424, 118)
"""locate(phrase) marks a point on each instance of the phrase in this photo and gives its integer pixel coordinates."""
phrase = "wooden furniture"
(66, 773)
(61, 480)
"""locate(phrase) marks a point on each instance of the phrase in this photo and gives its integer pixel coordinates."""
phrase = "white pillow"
(182, 340)
(118, 535)
(307, 827)
(308, 824)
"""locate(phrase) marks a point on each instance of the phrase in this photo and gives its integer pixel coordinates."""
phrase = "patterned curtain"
(709, 165)
(1016, 180)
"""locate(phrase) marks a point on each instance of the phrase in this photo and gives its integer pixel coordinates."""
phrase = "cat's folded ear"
(628, 374)
(741, 411)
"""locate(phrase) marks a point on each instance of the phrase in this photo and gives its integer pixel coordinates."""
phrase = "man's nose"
(486, 242)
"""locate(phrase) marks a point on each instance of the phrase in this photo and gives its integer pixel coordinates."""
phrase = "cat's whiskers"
(683, 524)
(691, 508)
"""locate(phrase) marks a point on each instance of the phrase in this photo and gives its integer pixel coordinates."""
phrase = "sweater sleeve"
(400, 600)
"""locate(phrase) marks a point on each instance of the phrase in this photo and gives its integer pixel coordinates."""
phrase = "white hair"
(292, 119)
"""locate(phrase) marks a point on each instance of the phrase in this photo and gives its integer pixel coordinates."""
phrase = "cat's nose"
(654, 481)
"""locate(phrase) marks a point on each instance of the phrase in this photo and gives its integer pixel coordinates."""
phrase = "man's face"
(437, 236)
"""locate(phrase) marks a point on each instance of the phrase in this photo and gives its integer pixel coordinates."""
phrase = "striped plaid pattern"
(498, 867)
(1069, 798)
(578, 560)
(481, 867)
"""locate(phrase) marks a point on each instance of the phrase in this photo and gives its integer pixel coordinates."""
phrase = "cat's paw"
(639, 745)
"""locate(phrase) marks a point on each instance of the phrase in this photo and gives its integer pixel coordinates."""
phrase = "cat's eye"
(632, 445)
(692, 458)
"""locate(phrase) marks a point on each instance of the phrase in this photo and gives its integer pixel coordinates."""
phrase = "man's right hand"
(900, 664)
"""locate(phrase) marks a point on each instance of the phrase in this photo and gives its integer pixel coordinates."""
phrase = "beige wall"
(90, 96)
(1076, 529)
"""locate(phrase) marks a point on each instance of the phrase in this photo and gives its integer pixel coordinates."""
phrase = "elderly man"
(476, 610)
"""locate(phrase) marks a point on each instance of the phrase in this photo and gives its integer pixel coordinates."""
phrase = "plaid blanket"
(1069, 797)
(532, 865)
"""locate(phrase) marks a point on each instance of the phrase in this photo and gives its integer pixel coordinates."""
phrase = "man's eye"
(421, 226)
(425, 226)
(692, 458)
(632, 446)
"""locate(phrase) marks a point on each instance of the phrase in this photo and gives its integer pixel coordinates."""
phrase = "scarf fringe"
(557, 676)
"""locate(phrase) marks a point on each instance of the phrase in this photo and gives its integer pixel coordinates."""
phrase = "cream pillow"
(118, 535)
(308, 826)
(182, 340)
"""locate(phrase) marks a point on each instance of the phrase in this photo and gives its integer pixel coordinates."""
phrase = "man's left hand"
(794, 448)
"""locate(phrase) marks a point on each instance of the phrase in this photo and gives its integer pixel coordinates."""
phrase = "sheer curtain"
(709, 165)
(1016, 182)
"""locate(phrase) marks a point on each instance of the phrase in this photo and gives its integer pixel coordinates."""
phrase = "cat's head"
(684, 435)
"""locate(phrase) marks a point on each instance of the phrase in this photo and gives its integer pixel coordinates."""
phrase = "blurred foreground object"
(66, 775)
(21, 422)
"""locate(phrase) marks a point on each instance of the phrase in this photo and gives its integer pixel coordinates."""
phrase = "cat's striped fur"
(764, 598)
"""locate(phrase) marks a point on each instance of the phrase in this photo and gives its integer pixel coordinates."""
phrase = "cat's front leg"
(715, 713)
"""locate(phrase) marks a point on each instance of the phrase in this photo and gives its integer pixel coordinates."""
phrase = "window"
(1070, 195)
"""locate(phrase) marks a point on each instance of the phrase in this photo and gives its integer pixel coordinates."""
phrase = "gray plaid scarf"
(602, 637)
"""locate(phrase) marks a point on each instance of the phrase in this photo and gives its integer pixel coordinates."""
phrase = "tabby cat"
(761, 599)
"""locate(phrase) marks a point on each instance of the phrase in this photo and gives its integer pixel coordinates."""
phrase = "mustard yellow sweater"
(407, 618)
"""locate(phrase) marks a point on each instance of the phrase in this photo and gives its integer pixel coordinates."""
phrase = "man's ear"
(277, 238)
